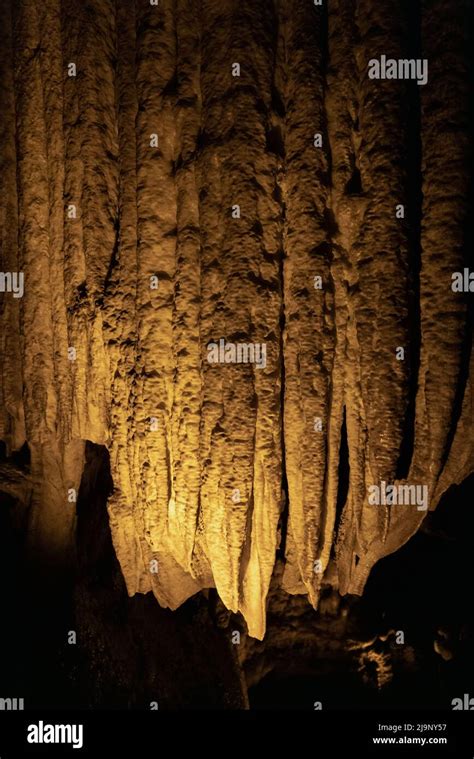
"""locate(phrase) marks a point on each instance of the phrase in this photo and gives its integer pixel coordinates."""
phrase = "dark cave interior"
(130, 652)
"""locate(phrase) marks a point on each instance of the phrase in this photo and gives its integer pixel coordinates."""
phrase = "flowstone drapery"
(180, 174)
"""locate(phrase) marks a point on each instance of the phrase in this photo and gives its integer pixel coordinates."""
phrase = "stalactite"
(309, 313)
(181, 174)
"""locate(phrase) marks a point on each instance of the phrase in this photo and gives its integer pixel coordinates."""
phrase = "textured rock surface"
(133, 256)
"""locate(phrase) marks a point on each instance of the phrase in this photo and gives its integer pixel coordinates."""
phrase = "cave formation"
(180, 174)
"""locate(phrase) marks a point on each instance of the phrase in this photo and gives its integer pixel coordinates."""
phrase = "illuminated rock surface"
(118, 195)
